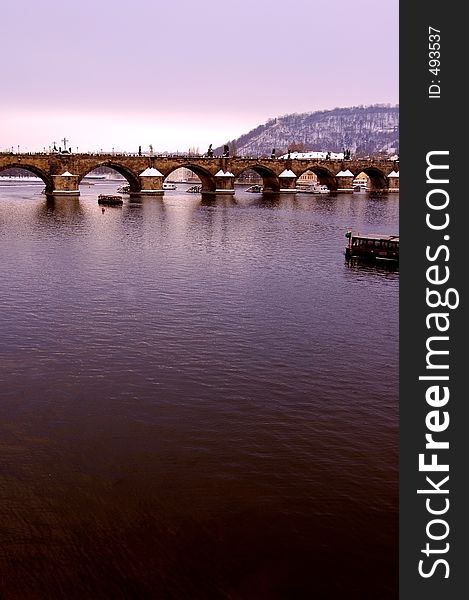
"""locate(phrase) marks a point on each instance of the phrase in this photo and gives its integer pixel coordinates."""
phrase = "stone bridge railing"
(62, 173)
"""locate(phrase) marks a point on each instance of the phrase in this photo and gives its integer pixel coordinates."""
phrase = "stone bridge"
(62, 173)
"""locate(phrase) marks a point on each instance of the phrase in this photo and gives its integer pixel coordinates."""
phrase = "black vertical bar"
(433, 112)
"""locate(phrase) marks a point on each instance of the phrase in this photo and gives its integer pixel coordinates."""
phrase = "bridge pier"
(287, 181)
(224, 182)
(151, 182)
(344, 181)
(65, 185)
(393, 180)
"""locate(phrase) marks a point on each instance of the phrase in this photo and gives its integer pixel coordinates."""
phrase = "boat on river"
(124, 189)
(255, 189)
(313, 188)
(194, 189)
(169, 186)
(110, 199)
(372, 247)
(360, 187)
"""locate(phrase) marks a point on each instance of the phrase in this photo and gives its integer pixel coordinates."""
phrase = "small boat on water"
(255, 189)
(110, 200)
(124, 189)
(372, 247)
(169, 186)
(360, 187)
(313, 188)
(194, 189)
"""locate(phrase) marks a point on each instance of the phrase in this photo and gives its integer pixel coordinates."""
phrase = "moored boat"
(110, 200)
(313, 188)
(255, 189)
(169, 186)
(359, 187)
(194, 189)
(374, 247)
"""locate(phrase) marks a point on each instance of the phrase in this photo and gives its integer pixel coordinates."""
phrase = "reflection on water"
(199, 398)
(361, 265)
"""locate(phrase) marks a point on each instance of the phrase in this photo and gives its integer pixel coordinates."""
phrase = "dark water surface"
(198, 399)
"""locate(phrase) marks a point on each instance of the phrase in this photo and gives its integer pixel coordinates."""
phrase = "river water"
(199, 399)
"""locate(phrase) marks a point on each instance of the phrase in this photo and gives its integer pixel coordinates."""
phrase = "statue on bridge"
(272, 154)
(226, 151)
(210, 151)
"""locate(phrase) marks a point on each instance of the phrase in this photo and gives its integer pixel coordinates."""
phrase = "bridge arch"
(378, 178)
(325, 176)
(131, 177)
(270, 179)
(19, 164)
(207, 179)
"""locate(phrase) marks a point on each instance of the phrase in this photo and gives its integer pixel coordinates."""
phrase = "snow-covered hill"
(362, 129)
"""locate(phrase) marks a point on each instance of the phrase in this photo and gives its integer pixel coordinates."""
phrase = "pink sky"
(180, 74)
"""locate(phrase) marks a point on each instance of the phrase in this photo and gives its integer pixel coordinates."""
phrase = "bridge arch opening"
(258, 174)
(111, 172)
(248, 177)
(182, 175)
(377, 179)
(20, 173)
(322, 175)
(361, 181)
(192, 175)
